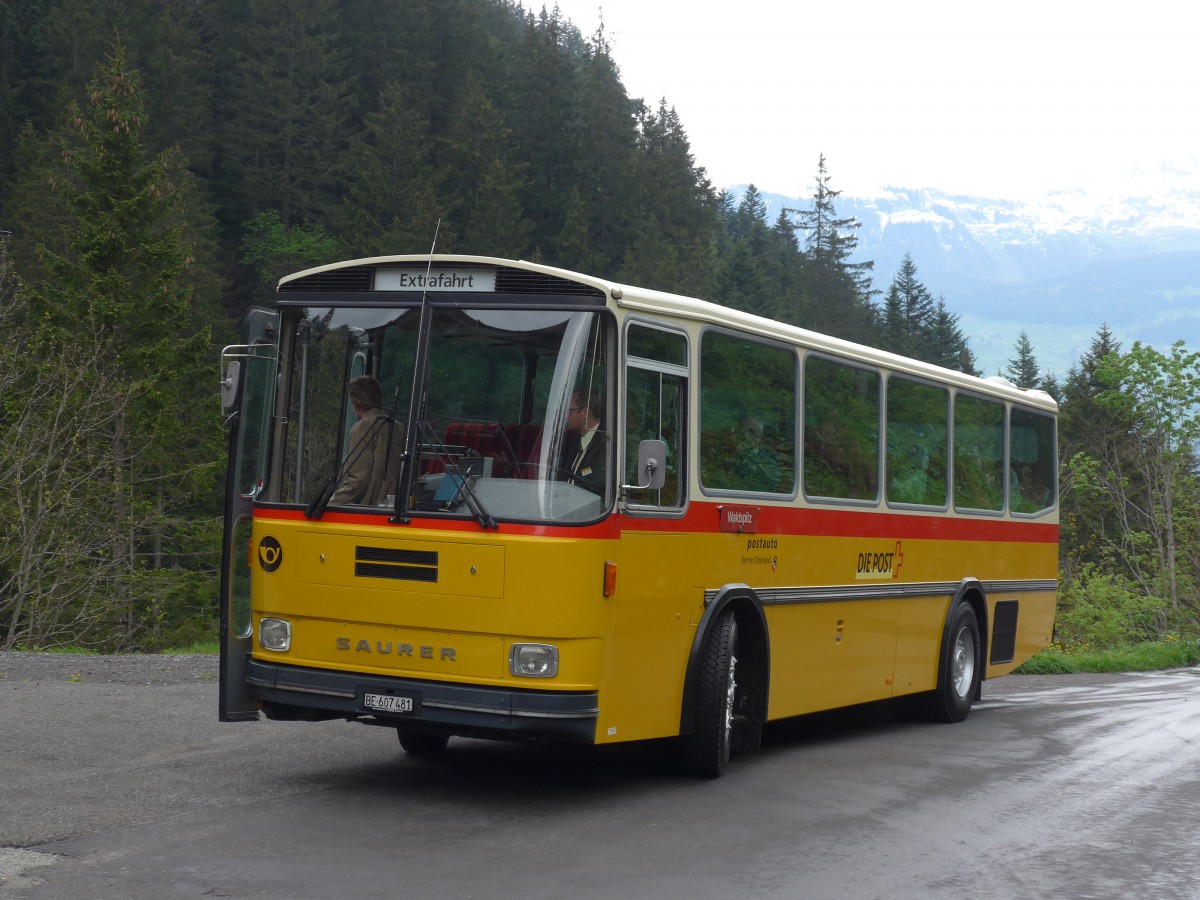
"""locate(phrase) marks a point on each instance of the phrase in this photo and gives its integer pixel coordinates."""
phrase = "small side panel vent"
(1004, 631)
(401, 565)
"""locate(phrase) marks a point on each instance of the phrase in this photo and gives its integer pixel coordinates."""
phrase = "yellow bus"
(580, 511)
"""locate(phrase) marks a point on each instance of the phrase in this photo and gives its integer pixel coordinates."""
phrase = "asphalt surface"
(118, 782)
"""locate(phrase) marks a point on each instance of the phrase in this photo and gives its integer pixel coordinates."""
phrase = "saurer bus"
(773, 522)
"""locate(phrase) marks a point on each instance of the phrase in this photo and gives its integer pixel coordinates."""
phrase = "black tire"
(423, 744)
(961, 669)
(709, 744)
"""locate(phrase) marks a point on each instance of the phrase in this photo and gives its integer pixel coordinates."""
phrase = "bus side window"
(841, 430)
(978, 453)
(918, 418)
(655, 402)
(1032, 456)
(747, 415)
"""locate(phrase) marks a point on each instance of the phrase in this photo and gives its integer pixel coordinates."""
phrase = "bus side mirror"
(651, 467)
(229, 385)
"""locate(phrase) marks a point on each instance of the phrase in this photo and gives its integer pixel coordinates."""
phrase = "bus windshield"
(512, 421)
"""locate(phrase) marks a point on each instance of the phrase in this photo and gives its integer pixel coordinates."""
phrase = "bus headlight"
(275, 634)
(534, 660)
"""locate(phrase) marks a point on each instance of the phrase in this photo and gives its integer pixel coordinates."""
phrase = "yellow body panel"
(448, 605)
(490, 592)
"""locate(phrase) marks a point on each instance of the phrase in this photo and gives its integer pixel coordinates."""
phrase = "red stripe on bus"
(703, 517)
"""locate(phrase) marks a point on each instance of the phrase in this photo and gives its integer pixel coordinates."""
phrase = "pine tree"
(908, 316)
(497, 223)
(1090, 433)
(575, 248)
(606, 159)
(673, 193)
(389, 176)
(487, 207)
(839, 291)
(115, 275)
(286, 87)
(946, 345)
(1022, 370)
(546, 121)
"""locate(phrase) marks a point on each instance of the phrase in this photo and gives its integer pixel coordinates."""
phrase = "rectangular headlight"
(533, 660)
(275, 634)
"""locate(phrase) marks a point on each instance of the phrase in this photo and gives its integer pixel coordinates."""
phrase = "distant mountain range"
(1058, 268)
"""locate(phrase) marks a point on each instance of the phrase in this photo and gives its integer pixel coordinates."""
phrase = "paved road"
(118, 782)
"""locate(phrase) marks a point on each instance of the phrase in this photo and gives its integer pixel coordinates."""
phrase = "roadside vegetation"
(1147, 657)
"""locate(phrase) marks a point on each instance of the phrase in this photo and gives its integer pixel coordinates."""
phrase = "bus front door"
(247, 397)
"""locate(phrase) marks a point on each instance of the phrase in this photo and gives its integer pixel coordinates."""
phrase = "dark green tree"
(1022, 370)
(271, 250)
(839, 290)
(496, 223)
(390, 182)
(946, 345)
(546, 120)
(285, 125)
(115, 274)
(908, 313)
(606, 160)
(674, 194)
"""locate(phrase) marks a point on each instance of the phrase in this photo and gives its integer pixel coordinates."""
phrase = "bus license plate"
(388, 703)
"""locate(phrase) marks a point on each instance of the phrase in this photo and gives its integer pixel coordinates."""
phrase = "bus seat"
(483, 438)
(526, 441)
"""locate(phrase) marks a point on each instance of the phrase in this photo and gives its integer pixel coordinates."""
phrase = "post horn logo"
(270, 554)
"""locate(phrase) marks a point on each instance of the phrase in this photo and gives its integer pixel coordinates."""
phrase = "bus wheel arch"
(732, 623)
(961, 660)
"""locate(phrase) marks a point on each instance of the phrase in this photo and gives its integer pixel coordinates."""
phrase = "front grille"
(354, 278)
(401, 565)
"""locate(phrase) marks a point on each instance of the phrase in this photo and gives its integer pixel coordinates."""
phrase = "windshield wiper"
(462, 478)
(317, 508)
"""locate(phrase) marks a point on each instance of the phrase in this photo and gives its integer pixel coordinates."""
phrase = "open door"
(247, 397)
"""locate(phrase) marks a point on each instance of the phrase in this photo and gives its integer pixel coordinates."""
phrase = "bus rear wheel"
(951, 702)
(422, 744)
(708, 746)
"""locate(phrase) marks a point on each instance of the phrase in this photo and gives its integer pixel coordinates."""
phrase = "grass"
(1151, 657)
(211, 647)
(200, 647)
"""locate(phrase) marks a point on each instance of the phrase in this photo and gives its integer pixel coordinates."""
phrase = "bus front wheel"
(423, 744)
(708, 746)
(952, 700)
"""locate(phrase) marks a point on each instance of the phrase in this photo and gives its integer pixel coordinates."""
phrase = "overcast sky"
(998, 99)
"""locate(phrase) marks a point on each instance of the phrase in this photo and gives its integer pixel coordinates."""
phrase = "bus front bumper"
(297, 692)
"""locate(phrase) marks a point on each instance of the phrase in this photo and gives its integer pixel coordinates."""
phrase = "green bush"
(1151, 656)
(1102, 611)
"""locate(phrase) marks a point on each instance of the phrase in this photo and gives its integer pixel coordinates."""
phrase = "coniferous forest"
(164, 162)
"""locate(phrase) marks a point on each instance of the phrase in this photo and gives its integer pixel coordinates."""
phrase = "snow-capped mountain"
(1057, 268)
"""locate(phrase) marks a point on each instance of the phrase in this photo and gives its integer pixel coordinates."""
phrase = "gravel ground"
(126, 668)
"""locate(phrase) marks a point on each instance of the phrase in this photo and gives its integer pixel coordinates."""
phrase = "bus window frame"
(948, 390)
(684, 371)
(880, 395)
(1008, 429)
(298, 304)
(1004, 405)
(795, 352)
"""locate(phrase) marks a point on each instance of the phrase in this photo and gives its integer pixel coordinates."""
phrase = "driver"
(584, 417)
